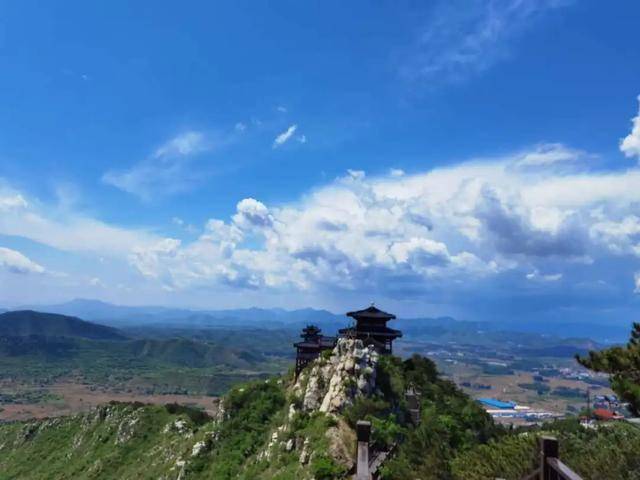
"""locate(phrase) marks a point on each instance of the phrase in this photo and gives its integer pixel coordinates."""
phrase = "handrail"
(565, 472)
(533, 475)
(551, 468)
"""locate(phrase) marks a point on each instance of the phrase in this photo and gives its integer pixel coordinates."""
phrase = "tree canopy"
(623, 365)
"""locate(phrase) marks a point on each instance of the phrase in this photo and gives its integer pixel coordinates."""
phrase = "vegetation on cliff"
(290, 428)
(609, 451)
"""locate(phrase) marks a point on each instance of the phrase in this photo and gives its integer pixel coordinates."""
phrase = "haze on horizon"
(437, 160)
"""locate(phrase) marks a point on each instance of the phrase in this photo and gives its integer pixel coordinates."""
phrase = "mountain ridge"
(25, 323)
(130, 316)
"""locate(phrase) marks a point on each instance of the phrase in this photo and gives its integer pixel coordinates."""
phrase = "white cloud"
(96, 282)
(240, 127)
(636, 282)
(252, 214)
(630, 145)
(356, 174)
(281, 109)
(549, 277)
(64, 230)
(396, 172)
(184, 144)
(12, 202)
(449, 226)
(302, 139)
(518, 223)
(284, 136)
(15, 262)
(549, 154)
(463, 38)
(167, 172)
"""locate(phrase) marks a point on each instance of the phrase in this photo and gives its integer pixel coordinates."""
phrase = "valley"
(56, 365)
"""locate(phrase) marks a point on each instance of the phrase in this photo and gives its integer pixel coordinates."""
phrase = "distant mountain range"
(24, 323)
(26, 333)
(95, 310)
(276, 318)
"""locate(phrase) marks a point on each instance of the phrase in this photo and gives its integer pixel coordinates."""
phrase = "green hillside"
(264, 430)
(189, 353)
(112, 442)
(606, 452)
(288, 429)
(24, 323)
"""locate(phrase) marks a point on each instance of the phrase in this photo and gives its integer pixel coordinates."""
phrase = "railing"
(551, 468)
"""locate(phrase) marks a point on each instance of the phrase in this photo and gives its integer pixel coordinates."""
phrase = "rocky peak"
(333, 383)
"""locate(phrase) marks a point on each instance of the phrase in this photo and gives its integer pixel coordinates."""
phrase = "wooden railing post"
(363, 433)
(548, 449)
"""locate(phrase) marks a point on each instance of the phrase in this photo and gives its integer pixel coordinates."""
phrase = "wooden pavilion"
(371, 327)
(312, 345)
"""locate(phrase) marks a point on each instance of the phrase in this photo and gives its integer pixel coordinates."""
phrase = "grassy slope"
(111, 443)
(133, 441)
(128, 441)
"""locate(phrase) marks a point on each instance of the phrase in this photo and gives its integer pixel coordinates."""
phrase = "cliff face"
(313, 428)
(333, 383)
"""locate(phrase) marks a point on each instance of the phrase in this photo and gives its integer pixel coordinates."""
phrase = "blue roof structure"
(492, 402)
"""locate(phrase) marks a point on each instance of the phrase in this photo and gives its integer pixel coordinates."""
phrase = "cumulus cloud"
(630, 145)
(15, 262)
(285, 136)
(456, 225)
(252, 214)
(447, 228)
(167, 171)
(522, 223)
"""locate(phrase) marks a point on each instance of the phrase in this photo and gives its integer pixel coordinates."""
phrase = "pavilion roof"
(371, 312)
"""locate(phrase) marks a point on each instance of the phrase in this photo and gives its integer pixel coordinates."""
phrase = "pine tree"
(623, 366)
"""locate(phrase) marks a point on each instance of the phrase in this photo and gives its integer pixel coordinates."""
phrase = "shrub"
(324, 467)
(365, 408)
(197, 415)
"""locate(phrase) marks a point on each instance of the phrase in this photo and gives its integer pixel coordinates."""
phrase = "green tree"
(623, 366)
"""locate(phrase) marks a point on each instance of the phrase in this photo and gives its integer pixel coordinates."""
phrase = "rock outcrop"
(333, 383)
(327, 386)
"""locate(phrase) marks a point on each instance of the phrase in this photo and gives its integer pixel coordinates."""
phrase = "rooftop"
(495, 403)
(371, 312)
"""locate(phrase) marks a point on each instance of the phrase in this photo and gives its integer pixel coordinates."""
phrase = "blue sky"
(477, 159)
